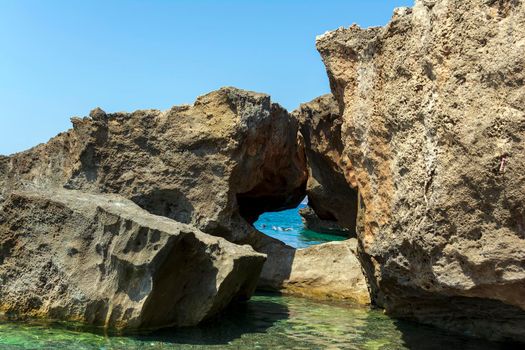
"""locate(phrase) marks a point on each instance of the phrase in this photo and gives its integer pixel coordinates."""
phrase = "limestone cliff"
(433, 126)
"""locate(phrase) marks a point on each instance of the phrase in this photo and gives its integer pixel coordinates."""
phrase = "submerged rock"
(434, 131)
(102, 260)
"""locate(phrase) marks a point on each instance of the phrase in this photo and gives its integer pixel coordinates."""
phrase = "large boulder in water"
(329, 271)
(102, 260)
(433, 126)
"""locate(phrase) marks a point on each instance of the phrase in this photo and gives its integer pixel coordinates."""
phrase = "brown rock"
(434, 127)
(102, 260)
(325, 271)
(328, 271)
(231, 153)
(331, 182)
(217, 164)
(312, 222)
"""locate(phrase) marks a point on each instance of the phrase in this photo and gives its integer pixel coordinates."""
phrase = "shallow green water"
(265, 322)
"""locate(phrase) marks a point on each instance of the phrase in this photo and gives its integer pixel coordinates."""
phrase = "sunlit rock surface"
(433, 127)
(216, 164)
(102, 260)
(328, 271)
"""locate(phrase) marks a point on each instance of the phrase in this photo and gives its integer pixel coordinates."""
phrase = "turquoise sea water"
(287, 226)
(265, 322)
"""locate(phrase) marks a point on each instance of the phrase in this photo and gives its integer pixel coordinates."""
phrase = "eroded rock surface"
(331, 184)
(311, 221)
(434, 129)
(102, 260)
(231, 153)
(217, 164)
(325, 271)
(328, 271)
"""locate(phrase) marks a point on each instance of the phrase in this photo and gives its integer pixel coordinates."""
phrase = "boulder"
(433, 126)
(329, 271)
(331, 184)
(102, 260)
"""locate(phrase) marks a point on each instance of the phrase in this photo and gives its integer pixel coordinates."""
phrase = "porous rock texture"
(330, 195)
(102, 260)
(216, 164)
(434, 128)
(231, 153)
(328, 271)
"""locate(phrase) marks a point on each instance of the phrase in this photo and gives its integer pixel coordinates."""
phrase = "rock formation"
(330, 195)
(231, 153)
(215, 165)
(325, 271)
(102, 260)
(312, 222)
(433, 126)
(328, 271)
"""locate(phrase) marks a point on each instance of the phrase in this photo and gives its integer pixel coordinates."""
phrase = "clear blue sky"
(63, 58)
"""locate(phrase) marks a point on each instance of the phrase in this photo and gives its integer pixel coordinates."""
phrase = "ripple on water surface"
(265, 322)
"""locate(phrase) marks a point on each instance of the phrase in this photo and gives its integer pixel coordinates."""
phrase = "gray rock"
(102, 260)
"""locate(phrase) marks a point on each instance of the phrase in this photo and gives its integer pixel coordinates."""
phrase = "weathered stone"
(232, 153)
(331, 182)
(328, 271)
(217, 164)
(325, 271)
(312, 222)
(434, 128)
(102, 260)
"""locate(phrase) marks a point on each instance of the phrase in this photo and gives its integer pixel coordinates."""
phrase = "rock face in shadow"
(331, 183)
(232, 153)
(434, 130)
(102, 260)
(311, 221)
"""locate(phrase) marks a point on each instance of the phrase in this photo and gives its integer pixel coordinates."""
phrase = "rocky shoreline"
(144, 219)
